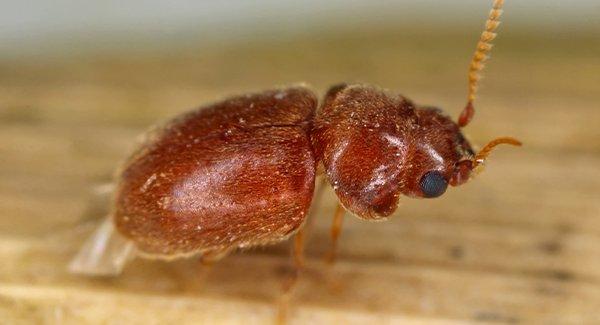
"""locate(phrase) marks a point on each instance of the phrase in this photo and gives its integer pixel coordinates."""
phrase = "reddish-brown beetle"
(241, 172)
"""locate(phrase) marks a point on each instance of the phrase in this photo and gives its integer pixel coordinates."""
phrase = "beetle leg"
(211, 257)
(336, 229)
(291, 282)
(298, 258)
(299, 250)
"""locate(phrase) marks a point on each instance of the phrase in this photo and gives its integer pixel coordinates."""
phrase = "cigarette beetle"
(241, 172)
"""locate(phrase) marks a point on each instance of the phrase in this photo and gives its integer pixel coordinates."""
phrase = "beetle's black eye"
(433, 184)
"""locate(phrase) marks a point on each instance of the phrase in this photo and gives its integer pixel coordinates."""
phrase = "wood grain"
(520, 244)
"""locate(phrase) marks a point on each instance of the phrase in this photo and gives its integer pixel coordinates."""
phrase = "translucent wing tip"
(105, 253)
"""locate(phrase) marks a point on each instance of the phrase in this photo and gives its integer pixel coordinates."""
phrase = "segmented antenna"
(484, 46)
(482, 155)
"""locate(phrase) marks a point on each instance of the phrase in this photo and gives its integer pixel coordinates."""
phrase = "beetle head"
(442, 155)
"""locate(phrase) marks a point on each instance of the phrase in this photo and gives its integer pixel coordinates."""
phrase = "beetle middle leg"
(290, 283)
(336, 229)
(297, 254)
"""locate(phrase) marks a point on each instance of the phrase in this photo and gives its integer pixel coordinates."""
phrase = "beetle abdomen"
(236, 173)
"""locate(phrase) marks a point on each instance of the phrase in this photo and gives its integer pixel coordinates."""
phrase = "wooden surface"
(520, 244)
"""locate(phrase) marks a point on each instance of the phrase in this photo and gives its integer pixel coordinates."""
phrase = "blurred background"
(79, 81)
(68, 27)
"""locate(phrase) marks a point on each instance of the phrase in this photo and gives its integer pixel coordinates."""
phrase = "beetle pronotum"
(241, 172)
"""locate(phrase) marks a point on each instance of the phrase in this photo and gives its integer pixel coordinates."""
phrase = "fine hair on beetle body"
(241, 172)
